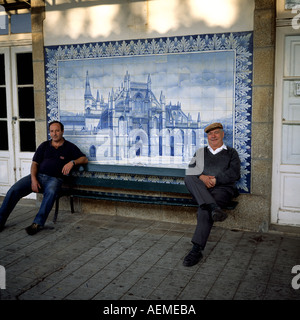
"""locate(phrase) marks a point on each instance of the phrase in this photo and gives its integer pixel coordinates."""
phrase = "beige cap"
(213, 126)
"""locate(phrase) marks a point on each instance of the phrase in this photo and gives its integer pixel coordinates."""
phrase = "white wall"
(93, 21)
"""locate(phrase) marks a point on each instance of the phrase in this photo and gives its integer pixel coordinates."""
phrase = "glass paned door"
(23, 109)
(17, 121)
(7, 173)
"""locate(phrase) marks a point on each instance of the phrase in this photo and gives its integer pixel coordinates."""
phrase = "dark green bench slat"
(133, 198)
(127, 184)
(136, 170)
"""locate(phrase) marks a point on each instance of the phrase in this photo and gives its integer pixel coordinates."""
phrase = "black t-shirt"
(52, 160)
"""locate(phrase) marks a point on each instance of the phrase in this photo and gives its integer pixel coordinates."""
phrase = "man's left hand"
(67, 168)
(209, 181)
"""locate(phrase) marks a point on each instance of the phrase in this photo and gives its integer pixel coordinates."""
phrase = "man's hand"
(35, 186)
(67, 168)
(209, 181)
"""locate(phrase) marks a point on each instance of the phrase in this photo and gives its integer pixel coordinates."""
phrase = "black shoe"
(33, 229)
(218, 214)
(192, 258)
(1, 227)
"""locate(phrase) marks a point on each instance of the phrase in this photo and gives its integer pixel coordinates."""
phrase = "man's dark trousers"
(219, 195)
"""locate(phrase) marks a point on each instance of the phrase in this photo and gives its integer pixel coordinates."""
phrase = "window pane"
(3, 22)
(3, 135)
(24, 68)
(291, 100)
(3, 113)
(27, 136)
(21, 23)
(26, 105)
(2, 70)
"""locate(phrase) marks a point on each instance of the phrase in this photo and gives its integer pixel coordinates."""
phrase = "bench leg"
(57, 207)
(56, 210)
(72, 204)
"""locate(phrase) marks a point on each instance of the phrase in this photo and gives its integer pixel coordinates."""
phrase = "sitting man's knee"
(190, 178)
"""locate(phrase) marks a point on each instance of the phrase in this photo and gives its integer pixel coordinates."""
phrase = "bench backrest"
(130, 177)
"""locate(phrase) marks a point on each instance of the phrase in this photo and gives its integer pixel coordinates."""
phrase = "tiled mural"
(147, 102)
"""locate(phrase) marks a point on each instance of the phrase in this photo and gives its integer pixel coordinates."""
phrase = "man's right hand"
(35, 186)
(209, 181)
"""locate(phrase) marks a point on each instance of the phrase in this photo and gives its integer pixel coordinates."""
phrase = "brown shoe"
(33, 229)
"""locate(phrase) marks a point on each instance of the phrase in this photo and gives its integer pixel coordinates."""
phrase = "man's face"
(215, 138)
(55, 132)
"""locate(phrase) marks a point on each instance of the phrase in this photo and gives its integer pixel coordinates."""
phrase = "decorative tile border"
(240, 43)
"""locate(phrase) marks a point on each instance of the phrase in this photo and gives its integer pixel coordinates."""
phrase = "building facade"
(273, 148)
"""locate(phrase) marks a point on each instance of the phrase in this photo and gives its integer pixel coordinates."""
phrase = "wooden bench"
(166, 185)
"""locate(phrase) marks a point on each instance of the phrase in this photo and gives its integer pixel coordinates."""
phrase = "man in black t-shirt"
(211, 178)
(52, 161)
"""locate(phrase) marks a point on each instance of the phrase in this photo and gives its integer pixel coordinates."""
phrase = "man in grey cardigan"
(211, 178)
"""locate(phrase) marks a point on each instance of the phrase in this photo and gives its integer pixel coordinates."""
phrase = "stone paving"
(100, 257)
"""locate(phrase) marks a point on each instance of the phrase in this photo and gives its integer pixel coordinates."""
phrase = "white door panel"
(290, 199)
(4, 171)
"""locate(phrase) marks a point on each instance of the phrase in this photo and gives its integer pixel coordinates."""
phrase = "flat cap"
(213, 126)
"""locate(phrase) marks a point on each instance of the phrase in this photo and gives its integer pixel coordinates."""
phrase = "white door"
(286, 146)
(17, 123)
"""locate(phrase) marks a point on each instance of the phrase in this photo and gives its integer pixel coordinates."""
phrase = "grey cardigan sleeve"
(196, 165)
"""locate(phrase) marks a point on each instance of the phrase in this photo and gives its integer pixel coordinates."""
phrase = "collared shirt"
(217, 150)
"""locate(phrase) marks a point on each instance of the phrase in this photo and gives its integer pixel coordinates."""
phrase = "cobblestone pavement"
(100, 257)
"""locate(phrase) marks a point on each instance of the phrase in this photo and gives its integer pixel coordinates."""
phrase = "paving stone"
(250, 290)
(98, 257)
